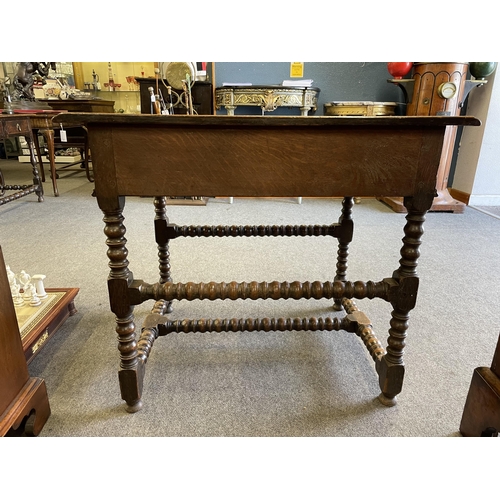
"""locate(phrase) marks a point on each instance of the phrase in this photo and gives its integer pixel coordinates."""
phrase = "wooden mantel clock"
(24, 404)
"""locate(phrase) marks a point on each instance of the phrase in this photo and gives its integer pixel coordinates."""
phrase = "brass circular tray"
(360, 108)
(176, 72)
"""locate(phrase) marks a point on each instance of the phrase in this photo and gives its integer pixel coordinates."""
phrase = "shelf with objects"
(44, 89)
(116, 81)
(178, 88)
(438, 89)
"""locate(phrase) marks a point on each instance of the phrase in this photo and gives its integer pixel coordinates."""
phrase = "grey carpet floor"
(493, 211)
(257, 384)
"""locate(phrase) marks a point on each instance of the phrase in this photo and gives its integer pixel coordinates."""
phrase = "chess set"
(26, 289)
(39, 311)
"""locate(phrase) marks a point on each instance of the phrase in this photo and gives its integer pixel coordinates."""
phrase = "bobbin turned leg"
(403, 296)
(131, 372)
(161, 224)
(344, 239)
(37, 181)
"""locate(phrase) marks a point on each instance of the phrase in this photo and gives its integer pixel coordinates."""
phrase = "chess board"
(38, 324)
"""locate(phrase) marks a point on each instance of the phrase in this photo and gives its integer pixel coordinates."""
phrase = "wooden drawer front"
(17, 127)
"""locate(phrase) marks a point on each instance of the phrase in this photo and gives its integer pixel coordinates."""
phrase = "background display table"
(81, 105)
(267, 97)
(15, 126)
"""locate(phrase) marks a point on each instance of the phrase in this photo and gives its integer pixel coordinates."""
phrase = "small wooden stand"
(23, 399)
(481, 416)
(38, 324)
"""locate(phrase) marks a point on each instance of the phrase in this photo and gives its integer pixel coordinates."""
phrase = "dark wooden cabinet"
(202, 94)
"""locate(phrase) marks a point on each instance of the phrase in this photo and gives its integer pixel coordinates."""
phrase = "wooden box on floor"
(481, 416)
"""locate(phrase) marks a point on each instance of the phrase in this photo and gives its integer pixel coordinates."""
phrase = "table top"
(243, 121)
(75, 101)
(38, 119)
(324, 156)
(29, 113)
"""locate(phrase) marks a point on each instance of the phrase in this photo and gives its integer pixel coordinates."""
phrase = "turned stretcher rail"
(140, 291)
(175, 231)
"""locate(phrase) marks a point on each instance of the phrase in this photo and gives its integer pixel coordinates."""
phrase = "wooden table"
(258, 156)
(29, 124)
(15, 126)
(81, 105)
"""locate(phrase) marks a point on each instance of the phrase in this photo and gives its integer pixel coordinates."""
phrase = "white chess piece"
(16, 296)
(40, 289)
(11, 275)
(29, 289)
(35, 301)
(24, 278)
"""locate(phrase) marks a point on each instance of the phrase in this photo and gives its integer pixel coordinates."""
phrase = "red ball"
(399, 69)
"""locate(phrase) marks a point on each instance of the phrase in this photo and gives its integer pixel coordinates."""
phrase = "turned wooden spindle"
(391, 366)
(255, 325)
(175, 231)
(254, 290)
(345, 238)
(118, 280)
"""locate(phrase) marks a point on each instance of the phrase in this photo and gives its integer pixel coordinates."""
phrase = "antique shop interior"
(229, 179)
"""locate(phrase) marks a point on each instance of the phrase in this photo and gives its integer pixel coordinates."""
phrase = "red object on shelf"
(399, 69)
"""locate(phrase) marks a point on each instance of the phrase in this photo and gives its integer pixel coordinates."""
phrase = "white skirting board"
(484, 200)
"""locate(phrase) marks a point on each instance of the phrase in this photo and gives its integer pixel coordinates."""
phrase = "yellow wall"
(120, 71)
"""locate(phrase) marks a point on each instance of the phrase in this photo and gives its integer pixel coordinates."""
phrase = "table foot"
(135, 407)
(387, 401)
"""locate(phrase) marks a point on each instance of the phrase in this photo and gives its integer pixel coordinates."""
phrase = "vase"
(480, 70)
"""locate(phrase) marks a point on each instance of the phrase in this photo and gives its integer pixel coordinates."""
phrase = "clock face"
(447, 90)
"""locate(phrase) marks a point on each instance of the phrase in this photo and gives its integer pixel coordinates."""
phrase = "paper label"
(296, 70)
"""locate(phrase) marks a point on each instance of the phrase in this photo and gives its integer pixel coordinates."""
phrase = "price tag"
(62, 135)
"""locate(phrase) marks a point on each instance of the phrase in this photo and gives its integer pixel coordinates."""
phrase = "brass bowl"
(360, 108)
